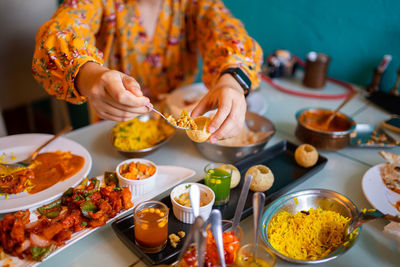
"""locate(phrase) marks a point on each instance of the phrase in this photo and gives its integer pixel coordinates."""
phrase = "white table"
(342, 173)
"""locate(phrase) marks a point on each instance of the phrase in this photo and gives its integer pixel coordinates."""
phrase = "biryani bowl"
(231, 154)
(309, 128)
(302, 201)
(126, 142)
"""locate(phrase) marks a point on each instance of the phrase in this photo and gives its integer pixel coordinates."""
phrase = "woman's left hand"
(228, 96)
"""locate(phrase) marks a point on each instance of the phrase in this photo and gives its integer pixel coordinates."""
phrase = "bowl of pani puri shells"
(256, 133)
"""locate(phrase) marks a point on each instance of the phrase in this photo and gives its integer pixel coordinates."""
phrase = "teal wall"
(355, 33)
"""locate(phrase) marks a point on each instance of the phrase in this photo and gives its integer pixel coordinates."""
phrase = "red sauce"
(397, 205)
(53, 167)
(316, 119)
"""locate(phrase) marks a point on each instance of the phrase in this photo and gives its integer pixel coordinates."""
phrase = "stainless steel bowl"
(304, 200)
(146, 151)
(230, 154)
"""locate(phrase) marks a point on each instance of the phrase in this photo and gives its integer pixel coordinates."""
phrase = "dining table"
(342, 173)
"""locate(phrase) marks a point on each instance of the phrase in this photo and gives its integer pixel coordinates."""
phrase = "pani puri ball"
(201, 134)
(263, 178)
(235, 179)
(306, 155)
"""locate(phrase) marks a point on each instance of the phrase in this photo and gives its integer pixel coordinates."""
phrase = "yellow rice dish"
(306, 235)
(136, 134)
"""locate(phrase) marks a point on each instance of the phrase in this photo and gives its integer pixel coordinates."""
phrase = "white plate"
(376, 192)
(194, 92)
(21, 146)
(168, 177)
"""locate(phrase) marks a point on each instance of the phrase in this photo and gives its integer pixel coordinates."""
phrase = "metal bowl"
(232, 154)
(326, 140)
(146, 151)
(303, 201)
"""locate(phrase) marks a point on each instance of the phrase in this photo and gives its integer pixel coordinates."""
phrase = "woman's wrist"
(87, 75)
(226, 80)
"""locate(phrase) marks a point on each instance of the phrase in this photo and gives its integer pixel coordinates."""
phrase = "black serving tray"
(279, 158)
(387, 101)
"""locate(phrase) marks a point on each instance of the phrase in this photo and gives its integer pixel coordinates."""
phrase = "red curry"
(316, 119)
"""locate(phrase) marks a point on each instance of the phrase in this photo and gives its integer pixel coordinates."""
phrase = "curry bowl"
(301, 202)
(124, 135)
(310, 128)
(231, 154)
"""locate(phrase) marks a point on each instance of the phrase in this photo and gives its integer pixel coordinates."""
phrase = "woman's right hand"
(112, 94)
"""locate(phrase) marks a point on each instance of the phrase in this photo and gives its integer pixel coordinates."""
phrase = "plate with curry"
(60, 165)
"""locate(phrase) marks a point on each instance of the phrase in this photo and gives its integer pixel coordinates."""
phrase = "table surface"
(342, 173)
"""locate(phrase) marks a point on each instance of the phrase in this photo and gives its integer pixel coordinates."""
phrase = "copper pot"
(337, 136)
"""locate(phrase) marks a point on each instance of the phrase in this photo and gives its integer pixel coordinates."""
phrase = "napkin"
(392, 230)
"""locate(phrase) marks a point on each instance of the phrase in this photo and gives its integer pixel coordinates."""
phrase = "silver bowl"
(306, 199)
(232, 154)
(145, 151)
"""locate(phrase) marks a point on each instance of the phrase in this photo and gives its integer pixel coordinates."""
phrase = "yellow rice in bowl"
(309, 235)
(136, 134)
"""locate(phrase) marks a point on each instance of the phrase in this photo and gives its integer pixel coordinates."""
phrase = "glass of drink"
(265, 257)
(151, 226)
(218, 178)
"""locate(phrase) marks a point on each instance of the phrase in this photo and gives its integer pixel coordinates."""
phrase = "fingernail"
(211, 129)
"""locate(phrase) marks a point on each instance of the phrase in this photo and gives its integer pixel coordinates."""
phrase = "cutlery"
(26, 162)
(196, 229)
(165, 118)
(241, 202)
(216, 229)
(194, 195)
(258, 205)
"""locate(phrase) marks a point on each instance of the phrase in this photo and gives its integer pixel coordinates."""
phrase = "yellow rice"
(136, 134)
(307, 237)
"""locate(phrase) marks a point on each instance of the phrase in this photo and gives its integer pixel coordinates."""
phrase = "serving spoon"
(26, 162)
(364, 217)
(241, 202)
(216, 229)
(258, 204)
(165, 118)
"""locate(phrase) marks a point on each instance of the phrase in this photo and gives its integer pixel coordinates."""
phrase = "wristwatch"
(240, 77)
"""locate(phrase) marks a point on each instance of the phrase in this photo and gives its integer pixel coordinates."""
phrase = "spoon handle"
(194, 195)
(216, 229)
(333, 115)
(258, 205)
(241, 202)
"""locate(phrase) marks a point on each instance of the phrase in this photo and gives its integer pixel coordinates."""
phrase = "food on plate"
(184, 199)
(378, 138)
(151, 226)
(307, 235)
(390, 171)
(15, 180)
(235, 179)
(87, 205)
(306, 155)
(244, 138)
(263, 178)
(201, 134)
(184, 120)
(316, 119)
(137, 170)
(136, 134)
(231, 247)
(174, 239)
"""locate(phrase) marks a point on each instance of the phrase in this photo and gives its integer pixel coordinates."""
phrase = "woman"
(118, 54)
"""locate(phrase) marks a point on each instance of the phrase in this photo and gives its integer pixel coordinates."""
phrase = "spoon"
(165, 118)
(333, 115)
(26, 162)
(194, 195)
(196, 228)
(216, 229)
(364, 217)
(258, 205)
(241, 202)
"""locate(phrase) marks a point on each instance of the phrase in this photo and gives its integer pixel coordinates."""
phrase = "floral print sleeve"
(223, 42)
(64, 44)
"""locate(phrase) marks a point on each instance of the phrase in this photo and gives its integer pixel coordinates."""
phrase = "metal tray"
(364, 133)
(279, 158)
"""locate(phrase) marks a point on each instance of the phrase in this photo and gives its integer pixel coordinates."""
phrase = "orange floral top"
(110, 32)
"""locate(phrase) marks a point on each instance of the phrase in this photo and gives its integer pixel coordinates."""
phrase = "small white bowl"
(137, 187)
(185, 214)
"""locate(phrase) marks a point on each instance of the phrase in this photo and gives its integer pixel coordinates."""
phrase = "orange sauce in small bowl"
(316, 119)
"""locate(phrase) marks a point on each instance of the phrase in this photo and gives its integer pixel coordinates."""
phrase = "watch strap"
(241, 78)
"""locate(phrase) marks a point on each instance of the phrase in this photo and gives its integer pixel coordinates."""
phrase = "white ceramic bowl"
(137, 187)
(185, 214)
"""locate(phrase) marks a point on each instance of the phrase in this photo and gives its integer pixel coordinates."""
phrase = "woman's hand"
(112, 94)
(228, 97)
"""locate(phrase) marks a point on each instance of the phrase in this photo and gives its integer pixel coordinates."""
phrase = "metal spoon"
(196, 228)
(26, 162)
(258, 205)
(365, 217)
(216, 229)
(241, 202)
(165, 118)
(194, 195)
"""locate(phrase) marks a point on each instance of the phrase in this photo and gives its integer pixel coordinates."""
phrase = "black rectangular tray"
(279, 158)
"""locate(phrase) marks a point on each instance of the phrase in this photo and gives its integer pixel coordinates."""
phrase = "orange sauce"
(53, 167)
(397, 205)
(315, 119)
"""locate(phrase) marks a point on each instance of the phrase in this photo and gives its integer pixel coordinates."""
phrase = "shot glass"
(151, 226)
(218, 178)
(264, 257)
